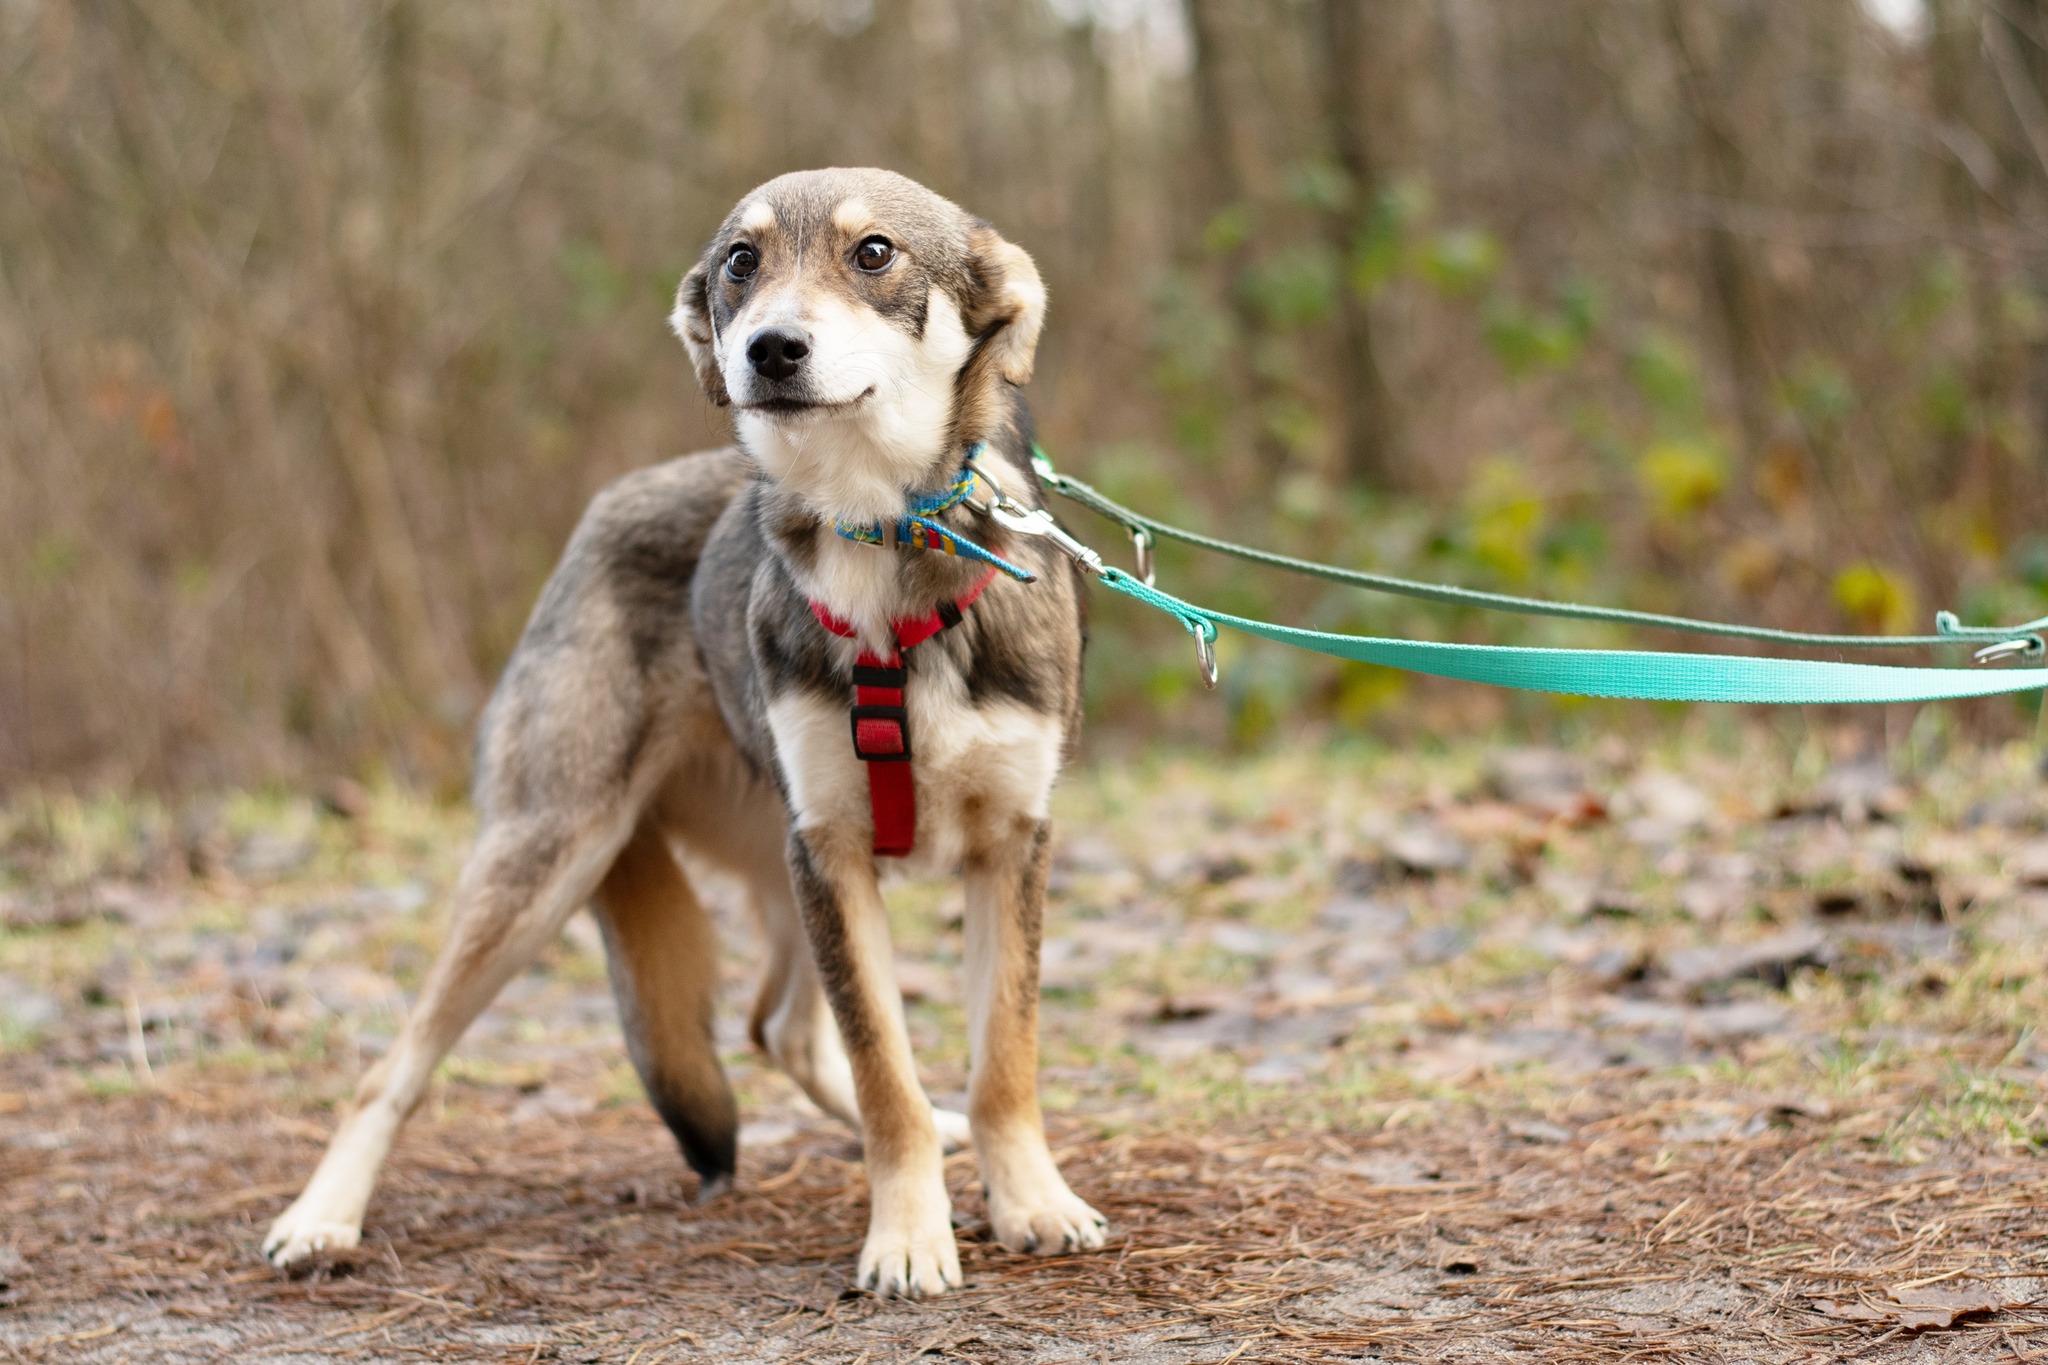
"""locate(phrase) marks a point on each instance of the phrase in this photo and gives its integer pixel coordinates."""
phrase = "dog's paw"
(1045, 1222)
(299, 1235)
(955, 1133)
(910, 1260)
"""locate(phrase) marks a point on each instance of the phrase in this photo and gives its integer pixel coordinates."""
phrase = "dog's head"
(862, 328)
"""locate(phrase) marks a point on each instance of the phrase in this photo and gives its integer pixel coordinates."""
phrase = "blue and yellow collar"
(915, 530)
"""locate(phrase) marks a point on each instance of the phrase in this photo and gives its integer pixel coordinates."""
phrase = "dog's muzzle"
(776, 353)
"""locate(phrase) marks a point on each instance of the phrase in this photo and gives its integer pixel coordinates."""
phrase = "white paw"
(910, 1258)
(1048, 1222)
(954, 1130)
(297, 1235)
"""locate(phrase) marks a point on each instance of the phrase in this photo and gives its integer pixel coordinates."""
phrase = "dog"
(688, 680)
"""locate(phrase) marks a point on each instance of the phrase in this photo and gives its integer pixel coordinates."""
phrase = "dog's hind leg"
(663, 954)
(792, 1022)
(603, 696)
(521, 882)
(1030, 1207)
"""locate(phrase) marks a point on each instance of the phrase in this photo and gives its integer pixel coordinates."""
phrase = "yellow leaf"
(1505, 520)
(1876, 598)
(1682, 477)
(1364, 690)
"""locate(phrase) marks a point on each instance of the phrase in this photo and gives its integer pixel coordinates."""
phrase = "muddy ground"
(1719, 1052)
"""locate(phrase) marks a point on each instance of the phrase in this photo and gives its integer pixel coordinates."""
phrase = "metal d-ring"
(985, 508)
(1205, 653)
(1141, 545)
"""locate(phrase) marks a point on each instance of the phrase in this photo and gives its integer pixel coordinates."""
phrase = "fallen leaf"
(1771, 960)
(1670, 799)
(1424, 850)
(2028, 864)
(1850, 1312)
(1921, 1307)
(1538, 1130)
(1941, 1304)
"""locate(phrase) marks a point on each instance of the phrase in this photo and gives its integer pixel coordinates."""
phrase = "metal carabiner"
(1006, 512)
(1141, 545)
(1037, 522)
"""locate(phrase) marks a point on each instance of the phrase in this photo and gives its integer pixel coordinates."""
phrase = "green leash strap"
(1641, 674)
(1949, 630)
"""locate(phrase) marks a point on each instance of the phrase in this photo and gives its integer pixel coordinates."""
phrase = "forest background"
(319, 324)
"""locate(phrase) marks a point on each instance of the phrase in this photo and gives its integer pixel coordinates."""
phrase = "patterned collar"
(915, 529)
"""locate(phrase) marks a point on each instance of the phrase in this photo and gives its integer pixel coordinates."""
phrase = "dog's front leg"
(1030, 1207)
(910, 1250)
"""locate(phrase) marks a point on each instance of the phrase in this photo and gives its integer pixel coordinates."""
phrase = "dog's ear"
(691, 320)
(1006, 303)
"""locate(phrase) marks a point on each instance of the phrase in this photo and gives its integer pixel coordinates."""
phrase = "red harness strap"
(881, 725)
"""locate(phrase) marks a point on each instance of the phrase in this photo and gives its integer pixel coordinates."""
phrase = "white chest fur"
(990, 762)
(858, 584)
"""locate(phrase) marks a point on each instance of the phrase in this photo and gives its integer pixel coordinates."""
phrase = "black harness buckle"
(896, 716)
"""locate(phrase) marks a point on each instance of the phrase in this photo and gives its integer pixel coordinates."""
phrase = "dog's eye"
(874, 254)
(741, 262)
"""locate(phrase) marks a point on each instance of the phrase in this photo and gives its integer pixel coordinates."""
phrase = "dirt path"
(1454, 1057)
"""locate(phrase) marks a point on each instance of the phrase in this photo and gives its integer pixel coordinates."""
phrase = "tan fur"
(691, 321)
(663, 954)
(1008, 316)
(853, 217)
(504, 916)
(1014, 312)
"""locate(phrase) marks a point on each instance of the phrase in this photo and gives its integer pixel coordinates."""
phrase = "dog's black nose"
(775, 352)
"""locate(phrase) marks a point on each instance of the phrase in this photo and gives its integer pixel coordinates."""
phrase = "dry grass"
(494, 1242)
(1528, 1133)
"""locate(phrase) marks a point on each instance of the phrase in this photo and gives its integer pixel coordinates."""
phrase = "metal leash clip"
(1014, 516)
(1141, 546)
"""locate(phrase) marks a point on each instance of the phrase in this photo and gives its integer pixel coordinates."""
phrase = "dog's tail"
(663, 955)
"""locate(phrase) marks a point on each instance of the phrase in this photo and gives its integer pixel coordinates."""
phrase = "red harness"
(881, 726)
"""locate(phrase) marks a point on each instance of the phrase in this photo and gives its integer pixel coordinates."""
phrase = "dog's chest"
(977, 766)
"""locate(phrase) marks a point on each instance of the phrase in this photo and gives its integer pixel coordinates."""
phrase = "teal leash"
(1647, 675)
(1143, 529)
(1640, 674)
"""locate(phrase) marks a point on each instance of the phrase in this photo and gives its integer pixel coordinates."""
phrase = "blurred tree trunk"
(2014, 32)
(1215, 136)
(1957, 75)
(1369, 434)
(398, 66)
(1959, 82)
(1709, 76)
(330, 346)
(1225, 192)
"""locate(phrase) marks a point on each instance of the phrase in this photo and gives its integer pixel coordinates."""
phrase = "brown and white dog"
(677, 686)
